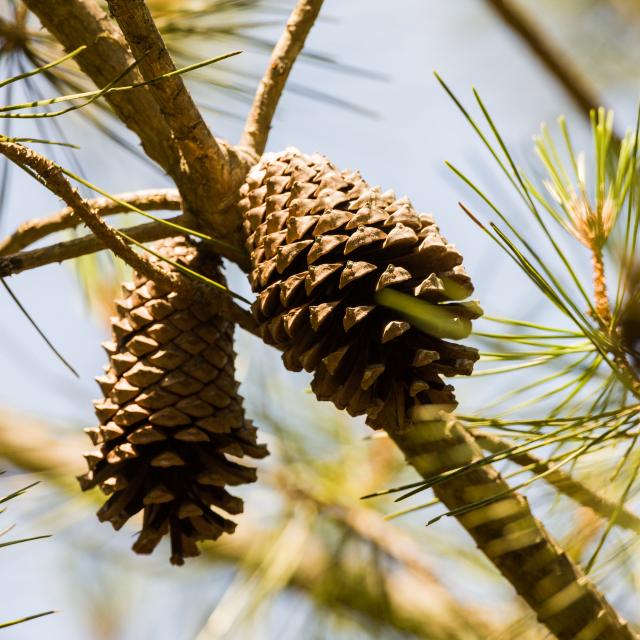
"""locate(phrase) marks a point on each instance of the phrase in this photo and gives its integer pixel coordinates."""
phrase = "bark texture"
(505, 530)
(82, 22)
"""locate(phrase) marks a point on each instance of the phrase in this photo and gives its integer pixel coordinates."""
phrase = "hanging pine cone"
(324, 247)
(171, 414)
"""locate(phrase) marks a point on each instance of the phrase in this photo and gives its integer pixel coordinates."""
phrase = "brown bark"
(285, 53)
(82, 22)
(190, 134)
(52, 177)
(203, 163)
(600, 297)
(39, 228)
(14, 263)
(505, 530)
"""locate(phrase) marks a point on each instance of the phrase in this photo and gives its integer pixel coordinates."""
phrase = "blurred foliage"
(307, 543)
(600, 36)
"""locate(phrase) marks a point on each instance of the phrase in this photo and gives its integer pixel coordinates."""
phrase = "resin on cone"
(171, 420)
(338, 267)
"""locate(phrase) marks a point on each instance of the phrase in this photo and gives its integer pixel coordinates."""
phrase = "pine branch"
(577, 86)
(600, 296)
(206, 194)
(39, 228)
(190, 133)
(283, 57)
(14, 263)
(53, 179)
(505, 530)
(563, 482)
(82, 22)
(204, 162)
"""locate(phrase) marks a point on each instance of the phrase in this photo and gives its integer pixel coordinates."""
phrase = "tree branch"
(53, 179)
(256, 129)
(82, 22)
(68, 250)
(504, 528)
(207, 196)
(563, 482)
(191, 134)
(580, 90)
(39, 228)
(205, 162)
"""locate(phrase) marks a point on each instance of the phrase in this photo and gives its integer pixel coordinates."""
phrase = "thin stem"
(53, 179)
(601, 298)
(39, 228)
(15, 263)
(258, 124)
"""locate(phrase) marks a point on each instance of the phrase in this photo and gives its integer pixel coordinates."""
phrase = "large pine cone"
(326, 250)
(171, 414)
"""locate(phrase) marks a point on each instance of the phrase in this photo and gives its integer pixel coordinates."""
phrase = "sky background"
(415, 129)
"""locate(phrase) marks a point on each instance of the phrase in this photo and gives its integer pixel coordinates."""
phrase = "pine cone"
(171, 414)
(325, 248)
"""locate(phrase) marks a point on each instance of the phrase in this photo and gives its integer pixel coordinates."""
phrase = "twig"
(68, 250)
(601, 299)
(82, 22)
(39, 228)
(584, 95)
(243, 318)
(200, 155)
(563, 482)
(625, 371)
(53, 179)
(256, 130)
